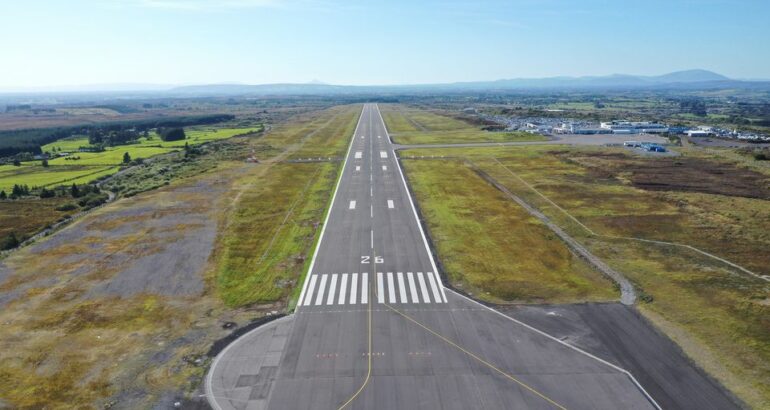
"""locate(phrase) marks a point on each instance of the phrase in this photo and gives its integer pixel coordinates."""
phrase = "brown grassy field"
(491, 247)
(24, 217)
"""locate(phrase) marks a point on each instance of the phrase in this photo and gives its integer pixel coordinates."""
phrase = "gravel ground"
(157, 243)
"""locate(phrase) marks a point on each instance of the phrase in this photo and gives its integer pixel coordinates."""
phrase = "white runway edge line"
(329, 211)
(414, 210)
(577, 349)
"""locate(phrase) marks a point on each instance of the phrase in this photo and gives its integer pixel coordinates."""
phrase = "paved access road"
(376, 329)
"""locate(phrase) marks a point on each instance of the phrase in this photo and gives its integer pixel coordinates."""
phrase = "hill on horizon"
(687, 78)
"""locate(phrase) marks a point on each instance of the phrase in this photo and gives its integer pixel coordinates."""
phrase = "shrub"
(66, 207)
(172, 134)
(9, 242)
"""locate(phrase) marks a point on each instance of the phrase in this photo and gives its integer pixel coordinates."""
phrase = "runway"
(375, 328)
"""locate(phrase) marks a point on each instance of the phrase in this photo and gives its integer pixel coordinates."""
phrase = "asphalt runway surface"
(376, 329)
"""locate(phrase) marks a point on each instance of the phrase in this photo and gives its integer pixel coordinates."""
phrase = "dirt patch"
(153, 244)
(674, 174)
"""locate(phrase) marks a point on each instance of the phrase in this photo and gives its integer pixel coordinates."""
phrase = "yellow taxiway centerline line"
(491, 366)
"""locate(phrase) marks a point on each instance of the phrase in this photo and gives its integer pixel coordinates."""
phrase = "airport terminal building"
(634, 127)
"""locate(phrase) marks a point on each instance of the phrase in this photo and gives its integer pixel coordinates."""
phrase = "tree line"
(14, 142)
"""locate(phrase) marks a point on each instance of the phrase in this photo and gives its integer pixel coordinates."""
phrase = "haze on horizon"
(172, 42)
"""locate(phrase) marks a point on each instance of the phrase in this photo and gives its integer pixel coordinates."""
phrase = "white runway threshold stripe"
(321, 289)
(335, 289)
(343, 288)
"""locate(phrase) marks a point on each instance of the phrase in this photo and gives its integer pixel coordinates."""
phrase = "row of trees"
(13, 142)
(74, 191)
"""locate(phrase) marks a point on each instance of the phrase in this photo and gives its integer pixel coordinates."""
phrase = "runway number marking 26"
(367, 259)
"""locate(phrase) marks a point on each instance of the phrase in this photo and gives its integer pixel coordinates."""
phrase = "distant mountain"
(689, 76)
(688, 79)
(694, 77)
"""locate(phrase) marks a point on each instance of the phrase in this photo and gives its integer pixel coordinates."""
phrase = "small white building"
(698, 133)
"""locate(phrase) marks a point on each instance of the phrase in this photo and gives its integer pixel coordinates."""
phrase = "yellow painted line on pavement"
(477, 358)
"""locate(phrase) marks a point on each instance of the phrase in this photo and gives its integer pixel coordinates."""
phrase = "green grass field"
(92, 165)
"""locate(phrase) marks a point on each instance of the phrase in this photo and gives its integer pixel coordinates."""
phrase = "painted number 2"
(367, 259)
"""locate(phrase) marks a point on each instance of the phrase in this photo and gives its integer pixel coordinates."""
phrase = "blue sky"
(72, 42)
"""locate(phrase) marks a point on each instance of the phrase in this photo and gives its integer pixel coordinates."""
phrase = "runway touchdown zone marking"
(336, 289)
